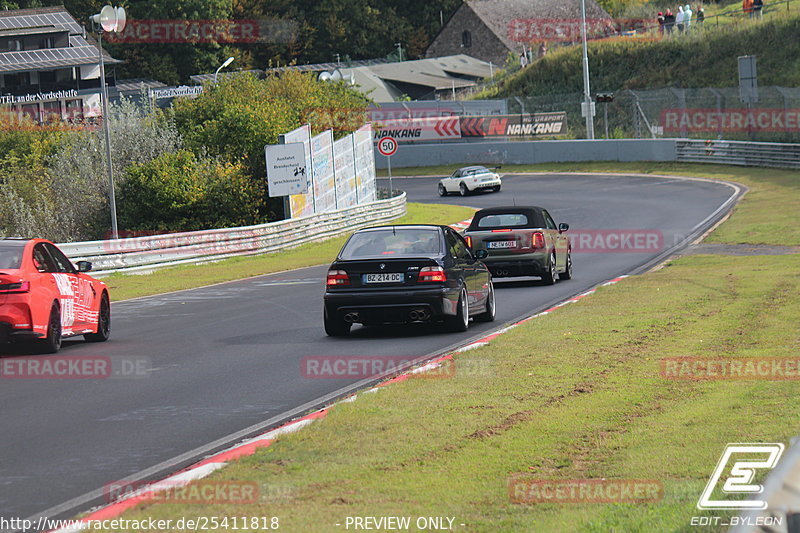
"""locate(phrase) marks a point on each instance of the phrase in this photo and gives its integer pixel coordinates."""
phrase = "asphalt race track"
(220, 363)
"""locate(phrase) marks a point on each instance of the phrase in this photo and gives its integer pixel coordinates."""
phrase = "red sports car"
(45, 298)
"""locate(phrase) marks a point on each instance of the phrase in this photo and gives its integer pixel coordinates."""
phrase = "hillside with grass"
(703, 58)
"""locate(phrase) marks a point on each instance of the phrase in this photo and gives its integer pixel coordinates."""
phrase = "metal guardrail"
(754, 154)
(147, 253)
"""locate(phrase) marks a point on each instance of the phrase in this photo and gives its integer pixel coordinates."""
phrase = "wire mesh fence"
(671, 112)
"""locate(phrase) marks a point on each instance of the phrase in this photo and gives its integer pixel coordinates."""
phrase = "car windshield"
(389, 242)
(11, 256)
(504, 220)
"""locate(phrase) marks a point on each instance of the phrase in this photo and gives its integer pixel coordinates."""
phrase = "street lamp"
(587, 97)
(222, 66)
(112, 20)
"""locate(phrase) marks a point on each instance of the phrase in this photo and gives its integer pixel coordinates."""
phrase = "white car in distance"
(467, 180)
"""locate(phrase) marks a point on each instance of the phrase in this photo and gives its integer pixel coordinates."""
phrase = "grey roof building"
(49, 67)
(490, 29)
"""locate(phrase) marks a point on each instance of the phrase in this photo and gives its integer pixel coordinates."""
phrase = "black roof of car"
(534, 214)
(390, 226)
(510, 209)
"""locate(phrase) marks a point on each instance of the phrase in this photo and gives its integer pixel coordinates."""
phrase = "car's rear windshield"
(473, 171)
(11, 256)
(388, 243)
(504, 220)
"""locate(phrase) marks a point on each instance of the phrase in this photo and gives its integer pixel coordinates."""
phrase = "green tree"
(236, 118)
(181, 192)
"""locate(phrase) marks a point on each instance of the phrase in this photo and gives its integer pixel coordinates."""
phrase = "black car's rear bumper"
(388, 306)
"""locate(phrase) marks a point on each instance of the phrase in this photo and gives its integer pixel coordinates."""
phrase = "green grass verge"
(766, 215)
(703, 58)
(125, 286)
(572, 395)
(575, 394)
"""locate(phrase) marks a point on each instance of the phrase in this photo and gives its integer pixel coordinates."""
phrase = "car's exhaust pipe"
(351, 317)
(419, 314)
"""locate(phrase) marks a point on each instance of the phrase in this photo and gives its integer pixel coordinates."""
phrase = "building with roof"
(421, 79)
(490, 29)
(49, 67)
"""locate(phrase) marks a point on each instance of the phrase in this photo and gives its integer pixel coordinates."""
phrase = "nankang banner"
(418, 129)
(535, 125)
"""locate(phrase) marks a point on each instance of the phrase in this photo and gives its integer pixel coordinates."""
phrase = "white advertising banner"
(338, 174)
(345, 166)
(365, 164)
(322, 163)
(302, 204)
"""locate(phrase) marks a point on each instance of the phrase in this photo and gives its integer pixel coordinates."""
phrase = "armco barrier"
(532, 152)
(144, 254)
(750, 154)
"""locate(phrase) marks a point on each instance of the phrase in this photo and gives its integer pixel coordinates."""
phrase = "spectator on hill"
(701, 16)
(669, 21)
(542, 49)
(687, 17)
(660, 20)
(523, 60)
(757, 6)
(747, 7)
(679, 19)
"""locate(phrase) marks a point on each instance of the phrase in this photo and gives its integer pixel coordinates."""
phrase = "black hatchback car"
(407, 274)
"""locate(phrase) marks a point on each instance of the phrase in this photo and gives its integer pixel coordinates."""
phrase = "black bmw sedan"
(407, 274)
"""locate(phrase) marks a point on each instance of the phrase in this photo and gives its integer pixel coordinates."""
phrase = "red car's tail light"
(337, 277)
(469, 240)
(435, 274)
(538, 239)
(11, 288)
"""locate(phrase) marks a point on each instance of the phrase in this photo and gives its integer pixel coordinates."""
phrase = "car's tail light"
(434, 274)
(500, 230)
(337, 277)
(468, 238)
(11, 288)
(538, 239)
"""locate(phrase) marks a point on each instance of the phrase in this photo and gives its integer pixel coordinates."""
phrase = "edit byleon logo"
(735, 472)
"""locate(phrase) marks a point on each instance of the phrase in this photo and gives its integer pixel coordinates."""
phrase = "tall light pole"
(222, 66)
(113, 20)
(587, 97)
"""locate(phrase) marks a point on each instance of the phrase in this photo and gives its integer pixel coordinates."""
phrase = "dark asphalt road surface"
(219, 360)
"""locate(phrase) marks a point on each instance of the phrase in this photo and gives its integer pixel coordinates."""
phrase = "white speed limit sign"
(387, 146)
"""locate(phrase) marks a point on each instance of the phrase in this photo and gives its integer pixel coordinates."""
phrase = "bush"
(181, 192)
(54, 178)
(235, 119)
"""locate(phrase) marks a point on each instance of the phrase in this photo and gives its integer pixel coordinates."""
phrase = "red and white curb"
(249, 446)
(461, 226)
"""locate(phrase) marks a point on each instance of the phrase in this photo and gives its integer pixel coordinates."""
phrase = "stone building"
(490, 29)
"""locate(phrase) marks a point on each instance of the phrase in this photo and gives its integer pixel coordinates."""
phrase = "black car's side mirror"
(84, 266)
(563, 227)
(480, 255)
